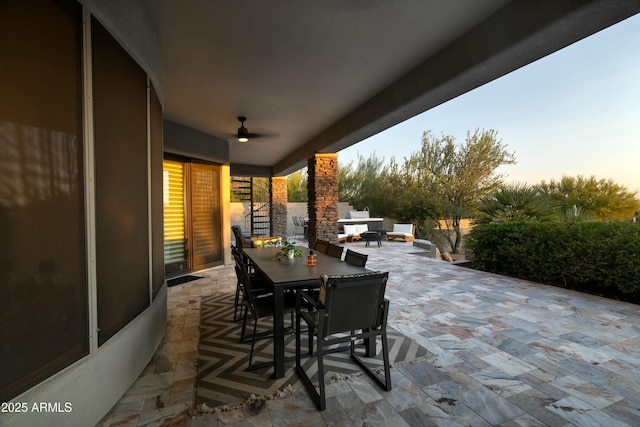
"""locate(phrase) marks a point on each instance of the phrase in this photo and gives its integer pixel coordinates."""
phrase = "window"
(122, 184)
(43, 280)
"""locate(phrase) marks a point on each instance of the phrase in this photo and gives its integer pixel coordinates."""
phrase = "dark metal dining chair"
(241, 240)
(259, 283)
(322, 246)
(349, 309)
(335, 250)
(355, 258)
(259, 304)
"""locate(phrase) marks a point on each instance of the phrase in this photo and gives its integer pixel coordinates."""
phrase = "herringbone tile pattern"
(223, 378)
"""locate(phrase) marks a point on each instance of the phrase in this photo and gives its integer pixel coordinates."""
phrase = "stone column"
(279, 206)
(322, 190)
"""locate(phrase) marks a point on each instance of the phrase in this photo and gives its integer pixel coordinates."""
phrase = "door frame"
(187, 171)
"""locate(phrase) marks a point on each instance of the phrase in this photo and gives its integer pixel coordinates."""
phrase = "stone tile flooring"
(509, 353)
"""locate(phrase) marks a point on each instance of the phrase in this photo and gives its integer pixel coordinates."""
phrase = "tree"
(517, 202)
(297, 186)
(362, 185)
(344, 181)
(445, 181)
(601, 200)
(261, 186)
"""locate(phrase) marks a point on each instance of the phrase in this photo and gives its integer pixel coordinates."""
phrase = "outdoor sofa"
(352, 232)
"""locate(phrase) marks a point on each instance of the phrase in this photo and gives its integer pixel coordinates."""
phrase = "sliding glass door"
(192, 217)
(205, 216)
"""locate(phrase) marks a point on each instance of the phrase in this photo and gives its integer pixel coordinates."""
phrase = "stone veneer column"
(322, 189)
(279, 206)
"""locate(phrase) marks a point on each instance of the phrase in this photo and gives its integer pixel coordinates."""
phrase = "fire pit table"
(373, 235)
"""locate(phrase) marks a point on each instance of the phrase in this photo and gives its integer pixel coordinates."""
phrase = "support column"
(322, 190)
(279, 206)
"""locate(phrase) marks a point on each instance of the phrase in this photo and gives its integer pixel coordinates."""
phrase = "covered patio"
(509, 352)
(156, 89)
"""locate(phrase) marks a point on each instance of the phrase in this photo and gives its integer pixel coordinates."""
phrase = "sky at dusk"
(574, 112)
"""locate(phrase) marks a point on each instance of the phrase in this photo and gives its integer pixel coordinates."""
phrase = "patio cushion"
(264, 242)
(361, 228)
(350, 230)
(403, 229)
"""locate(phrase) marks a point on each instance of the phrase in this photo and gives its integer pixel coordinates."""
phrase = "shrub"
(596, 257)
(516, 202)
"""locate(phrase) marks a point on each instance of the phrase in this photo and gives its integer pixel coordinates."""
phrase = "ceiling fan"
(244, 135)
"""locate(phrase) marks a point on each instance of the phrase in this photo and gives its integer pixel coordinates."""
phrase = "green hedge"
(596, 257)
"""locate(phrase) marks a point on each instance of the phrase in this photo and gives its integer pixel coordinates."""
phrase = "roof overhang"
(317, 77)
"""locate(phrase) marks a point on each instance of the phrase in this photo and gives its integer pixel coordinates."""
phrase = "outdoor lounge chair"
(349, 234)
(349, 308)
(402, 231)
(361, 228)
(352, 232)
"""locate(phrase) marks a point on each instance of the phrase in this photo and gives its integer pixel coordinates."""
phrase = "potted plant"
(289, 249)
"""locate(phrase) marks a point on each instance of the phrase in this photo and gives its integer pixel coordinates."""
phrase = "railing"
(258, 221)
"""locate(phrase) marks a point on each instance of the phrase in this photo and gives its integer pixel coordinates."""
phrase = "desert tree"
(591, 198)
(297, 186)
(362, 184)
(444, 181)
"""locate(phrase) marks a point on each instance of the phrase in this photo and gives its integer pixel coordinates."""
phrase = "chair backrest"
(237, 232)
(350, 229)
(361, 228)
(237, 256)
(353, 302)
(403, 228)
(335, 250)
(243, 279)
(322, 246)
(356, 258)
(235, 251)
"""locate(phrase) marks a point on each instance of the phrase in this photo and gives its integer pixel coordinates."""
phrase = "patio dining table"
(292, 273)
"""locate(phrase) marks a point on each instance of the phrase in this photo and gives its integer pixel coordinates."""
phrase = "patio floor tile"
(508, 352)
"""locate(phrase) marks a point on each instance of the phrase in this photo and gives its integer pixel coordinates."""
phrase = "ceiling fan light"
(243, 133)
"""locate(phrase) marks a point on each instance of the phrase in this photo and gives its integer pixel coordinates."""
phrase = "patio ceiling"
(324, 75)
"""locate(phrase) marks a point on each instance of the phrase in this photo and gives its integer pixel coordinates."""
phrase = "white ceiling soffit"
(318, 76)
